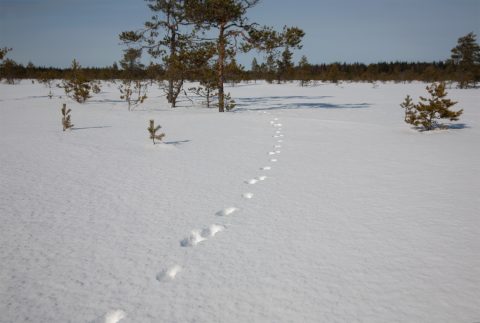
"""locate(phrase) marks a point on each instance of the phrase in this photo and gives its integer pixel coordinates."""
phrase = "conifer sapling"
(66, 122)
(429, 110)
(153, 132)
(408, 105)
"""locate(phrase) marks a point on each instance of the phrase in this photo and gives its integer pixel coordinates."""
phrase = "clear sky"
(53, 32)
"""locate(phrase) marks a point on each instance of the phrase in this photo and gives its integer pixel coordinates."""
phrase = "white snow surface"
(361, 218)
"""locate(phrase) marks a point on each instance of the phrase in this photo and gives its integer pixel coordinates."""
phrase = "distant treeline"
(384, 71)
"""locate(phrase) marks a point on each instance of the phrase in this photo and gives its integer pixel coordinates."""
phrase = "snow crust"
(361, 218)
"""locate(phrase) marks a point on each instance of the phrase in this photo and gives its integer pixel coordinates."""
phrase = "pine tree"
(409, 107)
(285, 65)
(9, 71)
(66, 122)
(153, 132)
(466, 58)
(133, 88)
(229, 19)
(76, 84)
(270, 68)
(429, 110)
(7, 66)
(3, 52)
(207, 88)
(229, 102)
(303, 71)
(255, 69)
(203, 71)
(167, 37)
(333, 73)
(234, 72)
(48, 78)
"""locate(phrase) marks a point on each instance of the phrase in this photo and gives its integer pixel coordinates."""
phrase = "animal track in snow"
(197, 236)
(227, 211)
(273, 160)
(115, 316)
(169, 274)
(266, 168)
(280, 140)
(278, 131)
(277, 124)
(247, 195)
(194, 238)
(212, 230)
(251, 181)
(262, 178)
(271, 153)
(277, 146)
(275, 119)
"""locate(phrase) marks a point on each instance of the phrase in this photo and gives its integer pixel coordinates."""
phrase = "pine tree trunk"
(172, 99)
(208, 98)
(220, 72)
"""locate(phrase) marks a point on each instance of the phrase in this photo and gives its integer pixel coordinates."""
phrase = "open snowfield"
(314, 204)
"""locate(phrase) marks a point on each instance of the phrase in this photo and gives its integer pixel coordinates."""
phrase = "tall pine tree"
(466, 58)
(229, 19)
(166, 36)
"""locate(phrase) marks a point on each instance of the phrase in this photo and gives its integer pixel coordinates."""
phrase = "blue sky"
(53, 32)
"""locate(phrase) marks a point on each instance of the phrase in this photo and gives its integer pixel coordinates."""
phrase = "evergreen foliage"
(428, 111)
(285, 66)
(76, 84)
(8, 70)
(133, 88)
(409, 107)
(234, 32)
(382, 72)
(203, 71)
(255, 69)
(269, 68)
(47, 78)
(66, 122)
(152, 130)
(234, 72)
(463, 67)
(466, 57)
(207, 88)
(303, 71)
(229, 102)
(166, 37)
(7, 66)
(3, 52)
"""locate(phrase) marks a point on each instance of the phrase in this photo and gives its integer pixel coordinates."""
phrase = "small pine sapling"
(133, 88)
(66, 122)
(435, 107)
(409, 107)
(428, 111)
(48, 79)
(229, 102)
(77, 85)
(153, 132)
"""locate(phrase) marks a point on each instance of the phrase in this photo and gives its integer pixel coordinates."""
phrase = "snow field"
(360, 219)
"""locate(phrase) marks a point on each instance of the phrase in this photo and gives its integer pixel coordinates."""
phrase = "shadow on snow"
(175, 143)
(85, 128)
(248, 104)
